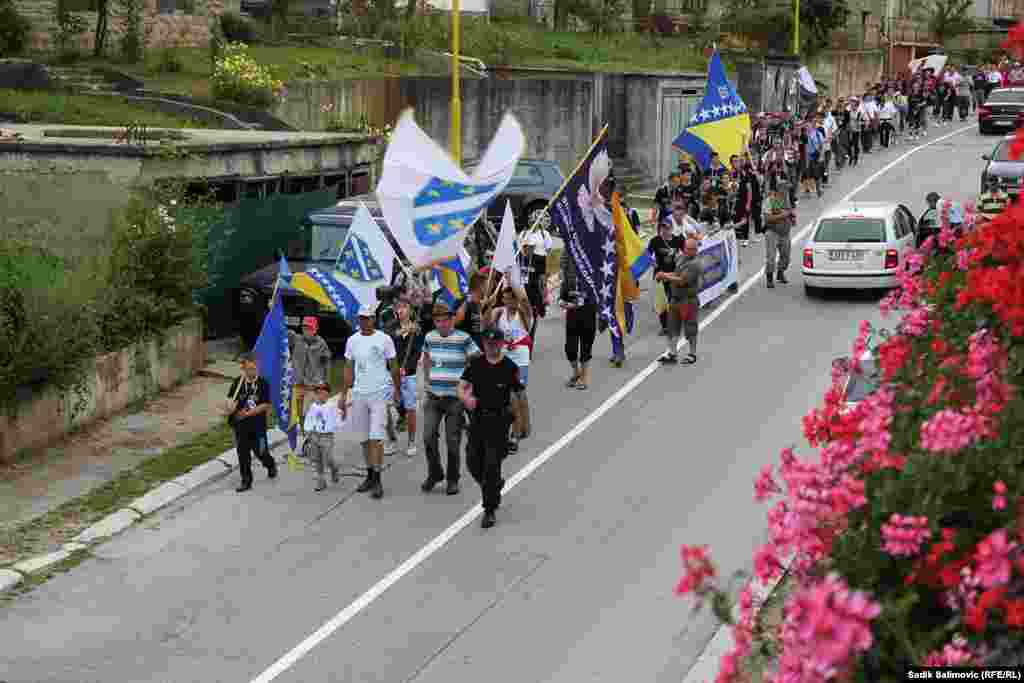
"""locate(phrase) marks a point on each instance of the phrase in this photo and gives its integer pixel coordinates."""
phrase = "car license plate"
(292, 320)
(845, 255)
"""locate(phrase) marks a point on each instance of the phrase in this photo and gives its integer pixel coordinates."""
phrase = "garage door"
(677, 106)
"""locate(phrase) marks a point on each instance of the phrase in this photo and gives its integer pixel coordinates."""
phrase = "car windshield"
(863, 382)
(1002, 152)
(327, 242)
(851, 230)
(1005, 97)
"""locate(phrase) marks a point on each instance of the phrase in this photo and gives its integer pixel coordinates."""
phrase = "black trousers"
(248, 444)
(580, 332)
(867, 138)
(854, 148)
(486, 450)
(885, 132)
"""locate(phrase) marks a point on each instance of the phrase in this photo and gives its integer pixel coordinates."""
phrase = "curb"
(116, 522)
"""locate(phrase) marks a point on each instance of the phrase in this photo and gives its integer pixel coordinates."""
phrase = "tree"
(949, 18)
(100, 41)
(773, 24)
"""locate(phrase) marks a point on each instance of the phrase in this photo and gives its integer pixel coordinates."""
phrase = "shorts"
(682, 318)
(368, 420)
(408, 390)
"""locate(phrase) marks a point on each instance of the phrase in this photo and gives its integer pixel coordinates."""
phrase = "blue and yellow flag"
(633, 260)
(275, 365)
(721, 123)
(451, 276)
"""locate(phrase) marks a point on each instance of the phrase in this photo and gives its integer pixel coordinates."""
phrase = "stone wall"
(112, 382)
(847, 72)
(161, 28)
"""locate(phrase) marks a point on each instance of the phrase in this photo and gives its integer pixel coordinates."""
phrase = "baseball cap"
(440, 310)
(311, 322)
(493, 333)
(367, 311)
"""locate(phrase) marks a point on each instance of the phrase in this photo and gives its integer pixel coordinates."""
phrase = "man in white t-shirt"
(682, 223)
(373, 376)
(869, 121)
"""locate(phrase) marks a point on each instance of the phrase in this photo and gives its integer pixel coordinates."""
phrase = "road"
(573, 584)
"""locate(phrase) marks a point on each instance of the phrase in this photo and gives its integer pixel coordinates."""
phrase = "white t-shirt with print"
(321, 418)
(370, 355)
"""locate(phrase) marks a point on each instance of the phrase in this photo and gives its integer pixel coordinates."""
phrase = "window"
(327, 242)
(527, 173)
(851, 230)
(1005, 97)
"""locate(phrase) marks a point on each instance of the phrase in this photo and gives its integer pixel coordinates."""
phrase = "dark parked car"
(1003, 111)
(318, 241)
(533, 184)
(1000, 165)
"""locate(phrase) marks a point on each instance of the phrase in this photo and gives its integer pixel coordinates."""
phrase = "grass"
(60, 525)
(33, 581)
(518, 43)
(48, 107)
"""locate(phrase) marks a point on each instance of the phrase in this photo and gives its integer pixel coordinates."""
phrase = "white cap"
(367, 310)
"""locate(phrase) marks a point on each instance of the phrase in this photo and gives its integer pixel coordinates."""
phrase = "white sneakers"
(411, 451)
(390, 447)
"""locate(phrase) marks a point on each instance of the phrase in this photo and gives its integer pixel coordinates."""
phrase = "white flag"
(505, 251)
(429, 203)
(366, 259)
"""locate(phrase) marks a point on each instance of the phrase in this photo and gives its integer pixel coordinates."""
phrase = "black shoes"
(320, 486)
(272, 471)
(429, 483)
(367, 483)
(377, 489)
(771, 281)
(488, 521)
(781, 277)
(668, 358)
(243, 488)
(452, 488)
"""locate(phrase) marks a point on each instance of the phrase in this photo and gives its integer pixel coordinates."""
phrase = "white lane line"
(420, 556)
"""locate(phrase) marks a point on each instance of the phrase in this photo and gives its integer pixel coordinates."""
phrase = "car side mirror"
(986, 157)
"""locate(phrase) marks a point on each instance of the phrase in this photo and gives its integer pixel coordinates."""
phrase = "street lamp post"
(796, 27)
(455, 128)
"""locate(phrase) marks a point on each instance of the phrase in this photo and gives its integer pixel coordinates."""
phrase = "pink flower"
(697, 569)
(999, 500)
(766, 563)
(993, 559)
(903, 536)
(955, 653)
(963, 259)
(915, 323)
(765, 486)
(950, 431)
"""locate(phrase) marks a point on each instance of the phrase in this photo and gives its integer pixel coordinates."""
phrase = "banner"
(719, 255)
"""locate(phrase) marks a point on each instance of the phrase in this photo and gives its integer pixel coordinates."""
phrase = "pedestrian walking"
(887, 119)
(662, 249)
(469, 316)
(408, 347)
(311, 358)
(247, 407)
(372, 375)
(580, 324)
(684, 302)
(321, 424)
(486, 389)
(781, 217)
(446, 351)
(513, 318)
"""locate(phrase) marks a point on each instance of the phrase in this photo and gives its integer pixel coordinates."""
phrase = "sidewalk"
(102, 452)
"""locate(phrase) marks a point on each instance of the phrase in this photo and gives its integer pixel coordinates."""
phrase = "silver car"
(858, 245)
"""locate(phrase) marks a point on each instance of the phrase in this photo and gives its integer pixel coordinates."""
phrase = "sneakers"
(411, 450)
(320, 486)
(367, 483)
(243, 488)
(781, 277)
(745, 243)
(429, 483)
(335, 475)
(668, 358)
(452, 489)
(488, 519)
(390, 447)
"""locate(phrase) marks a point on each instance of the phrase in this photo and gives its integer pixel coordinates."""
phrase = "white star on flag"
(609, 247)
(606, 291)
(607, 269)
(716, 109)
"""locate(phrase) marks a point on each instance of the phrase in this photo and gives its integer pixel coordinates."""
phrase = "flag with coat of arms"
(273, 358)
(430, 203)
(365, 262)
(721, 123)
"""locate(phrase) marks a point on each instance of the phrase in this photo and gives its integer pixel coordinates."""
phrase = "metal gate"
(677, 106)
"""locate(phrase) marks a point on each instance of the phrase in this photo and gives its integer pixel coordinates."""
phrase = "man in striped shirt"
(446, 352)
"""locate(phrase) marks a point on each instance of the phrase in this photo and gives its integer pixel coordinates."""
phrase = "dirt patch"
(99, 453)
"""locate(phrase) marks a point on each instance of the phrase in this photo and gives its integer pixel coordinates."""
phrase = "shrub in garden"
(14, 30)
(239, 78)
(904, 532)
(239, 29)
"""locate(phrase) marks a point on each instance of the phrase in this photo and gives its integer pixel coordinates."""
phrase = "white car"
(858, 245)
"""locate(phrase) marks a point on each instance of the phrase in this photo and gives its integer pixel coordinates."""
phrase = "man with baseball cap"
(311, 360)
(485, 389)
(372, 375)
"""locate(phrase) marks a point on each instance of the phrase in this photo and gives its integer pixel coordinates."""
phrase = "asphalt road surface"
(574, 584)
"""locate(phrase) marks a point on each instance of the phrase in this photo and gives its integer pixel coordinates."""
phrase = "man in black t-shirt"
(469, 314)
(662, 248)
(486, 389)
(247, 406)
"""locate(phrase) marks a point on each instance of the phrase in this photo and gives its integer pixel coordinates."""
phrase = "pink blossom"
(765, 486)
(999, 500)
(963, 259)
(697, 570)
(915, 323)
(955, 653)
(950, 431)
(767, 565)
(903, 536)
(993, 559)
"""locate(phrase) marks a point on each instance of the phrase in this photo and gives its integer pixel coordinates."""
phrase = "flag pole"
(569, 177)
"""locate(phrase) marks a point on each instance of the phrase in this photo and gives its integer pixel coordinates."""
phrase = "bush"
(239, 29)
(239, 78)
(169, 62)
(490, 42)
(14, 30)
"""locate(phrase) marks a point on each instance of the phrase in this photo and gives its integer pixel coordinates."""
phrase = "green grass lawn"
(47, 107)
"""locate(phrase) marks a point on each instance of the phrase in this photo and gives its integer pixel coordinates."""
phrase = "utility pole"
(796, 27)
(455, 127)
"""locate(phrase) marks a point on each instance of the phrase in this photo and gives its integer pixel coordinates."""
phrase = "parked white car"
(858, 245)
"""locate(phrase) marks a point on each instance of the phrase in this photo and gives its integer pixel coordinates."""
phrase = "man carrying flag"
(632, 260)
(247, 406)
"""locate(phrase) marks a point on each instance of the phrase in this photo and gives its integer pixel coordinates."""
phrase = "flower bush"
(902, 531)
(240, 78)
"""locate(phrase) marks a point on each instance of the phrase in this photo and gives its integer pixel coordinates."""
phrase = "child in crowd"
(320, 426)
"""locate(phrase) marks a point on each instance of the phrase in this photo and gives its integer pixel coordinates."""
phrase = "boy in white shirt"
(320, 426)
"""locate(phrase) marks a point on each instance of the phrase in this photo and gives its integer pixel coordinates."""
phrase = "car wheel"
(537, 213)
(812, 292)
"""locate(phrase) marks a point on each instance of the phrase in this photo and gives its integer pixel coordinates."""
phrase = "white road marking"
(366, 599)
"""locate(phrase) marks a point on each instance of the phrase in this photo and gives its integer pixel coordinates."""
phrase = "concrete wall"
(112, 382)
(642, 124)
(847, 72)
